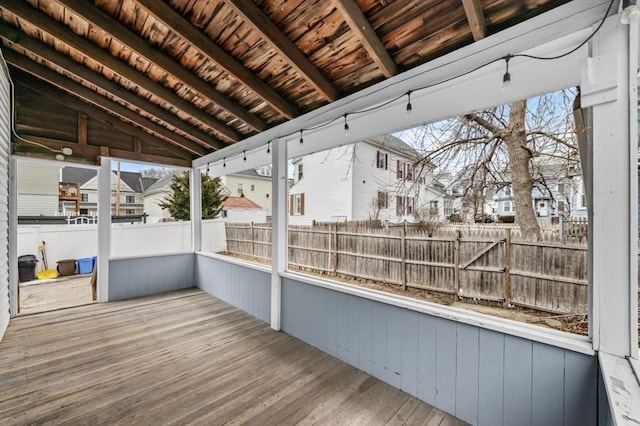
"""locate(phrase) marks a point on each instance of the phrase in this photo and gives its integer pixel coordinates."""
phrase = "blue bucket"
(85, 265)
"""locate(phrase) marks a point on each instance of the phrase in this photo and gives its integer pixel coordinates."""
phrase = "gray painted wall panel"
(142, 276)
(467, 356)
(482, 376)
(245, 288)
(490, 373)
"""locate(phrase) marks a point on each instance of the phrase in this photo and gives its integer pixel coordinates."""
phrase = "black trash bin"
(27, 268)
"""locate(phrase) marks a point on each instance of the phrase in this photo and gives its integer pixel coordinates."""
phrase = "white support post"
(195, 208)
(13, 238)
(104, 228)
(608, 86)
(279, 221)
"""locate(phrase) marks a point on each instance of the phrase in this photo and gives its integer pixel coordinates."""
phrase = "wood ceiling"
(171, 81)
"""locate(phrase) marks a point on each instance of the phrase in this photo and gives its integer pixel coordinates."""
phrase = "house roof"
(163, 182)
(252, 173)
(78, 175)
(191, 77)
(239, 203)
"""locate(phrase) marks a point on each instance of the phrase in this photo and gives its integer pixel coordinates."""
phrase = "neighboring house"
(443, 199)
(154, 195)
(371, 179)
(255, 184)
(37, 188)
(129, 191)
(242, 210)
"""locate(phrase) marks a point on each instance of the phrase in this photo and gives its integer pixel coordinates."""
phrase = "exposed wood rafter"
(178, 24)
(50, 26)
(92, 97)
(475, 16)
(139, 45)
(368, 38)
(269, 31)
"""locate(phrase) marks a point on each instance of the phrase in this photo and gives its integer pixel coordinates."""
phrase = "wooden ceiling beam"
(475, 16)
(70, 66)
(50, 26)
(270, 32)
(181, 26)
(92, 97)
(368, 38)
(56, 95)
(142, 47)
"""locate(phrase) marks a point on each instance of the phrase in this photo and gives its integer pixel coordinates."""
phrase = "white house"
(253, 183)
(372, 179)
(37, 188)
(242, 210)
(155, 194)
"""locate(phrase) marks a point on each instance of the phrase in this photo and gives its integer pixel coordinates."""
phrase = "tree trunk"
(519, 157)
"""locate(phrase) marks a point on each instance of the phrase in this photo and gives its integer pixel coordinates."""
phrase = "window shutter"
(398, 170)
(377, 158)
(386, 161)
(290, 205)
(302, 204)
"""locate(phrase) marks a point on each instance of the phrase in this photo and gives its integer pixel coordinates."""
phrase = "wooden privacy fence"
(496, 265)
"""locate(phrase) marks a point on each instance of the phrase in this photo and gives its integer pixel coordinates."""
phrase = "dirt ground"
(577, 324)
(57, 293)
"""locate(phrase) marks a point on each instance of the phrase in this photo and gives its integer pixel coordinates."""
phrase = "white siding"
(327, 184)
(5, 144)
(37, 188)
(151, 207)
(246, 215)
(261, 193)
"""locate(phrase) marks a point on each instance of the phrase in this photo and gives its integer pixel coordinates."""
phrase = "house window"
(433, 207)
(129, 212)
(448, 207)
(507, 191)
(409, 171)
(561, 188)
(239, 188)
(130, 199)
(296, 204)
(508, 206)
(253, 187)
(383, 200)
(561, 206)
(399, 170)
(84, 198)
(381, 160)
(399, 205)
(300, 173)
(411, 205)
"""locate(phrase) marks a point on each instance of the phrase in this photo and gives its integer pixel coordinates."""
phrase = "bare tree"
(504, 146)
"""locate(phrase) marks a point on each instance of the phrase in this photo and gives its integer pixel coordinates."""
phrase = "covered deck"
(184, 357)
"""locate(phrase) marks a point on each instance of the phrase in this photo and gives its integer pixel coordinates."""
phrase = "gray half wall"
(245, 288)
(480, 376)
(142, 276)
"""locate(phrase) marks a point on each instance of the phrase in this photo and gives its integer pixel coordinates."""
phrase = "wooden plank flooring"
(48, 295)
(183, 358)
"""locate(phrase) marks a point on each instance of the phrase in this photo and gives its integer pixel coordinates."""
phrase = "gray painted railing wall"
(480, 376)
(245, 288)
(142, 276)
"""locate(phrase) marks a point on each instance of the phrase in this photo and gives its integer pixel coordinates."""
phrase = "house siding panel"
(5, 147)
(37, 188)
(481, 376)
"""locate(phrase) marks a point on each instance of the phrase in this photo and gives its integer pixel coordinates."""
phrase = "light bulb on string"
(506, 79)
(346, 126)
(629, 11)
(207, 168)
(269, 147)
(301, 140)
(244, 155)
(224, 162)
(409, 106)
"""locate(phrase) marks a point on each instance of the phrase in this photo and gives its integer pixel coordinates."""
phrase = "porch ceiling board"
(228, 69)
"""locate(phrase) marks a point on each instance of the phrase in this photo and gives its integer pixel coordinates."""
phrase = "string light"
(224, 162)
(244, 154)
(409, 106)
(208, 168)
(346, 126)
(629, 11)
(269, 147)
(506, 79)
(301, 140)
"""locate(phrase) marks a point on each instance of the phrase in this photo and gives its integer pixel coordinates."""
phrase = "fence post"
(506, 282)
(335, 248)
(403, 255)
(253, 253)
(456, 263)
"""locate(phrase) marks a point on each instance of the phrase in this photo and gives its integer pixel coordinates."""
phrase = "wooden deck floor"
(183, 358)
(48, 295)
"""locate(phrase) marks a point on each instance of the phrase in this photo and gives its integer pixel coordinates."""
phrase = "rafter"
(269, 31)
(56, 95)
(475, 16)
(368, 38)
(92, 97)
(207, 47)
(106, 23)
(50, 26)
(70, 66)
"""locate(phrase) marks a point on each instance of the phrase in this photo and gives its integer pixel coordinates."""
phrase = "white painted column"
(13, 237)
(104, 228)
(279, 220)
(195, 208)
(609, 86)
